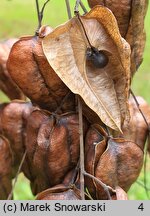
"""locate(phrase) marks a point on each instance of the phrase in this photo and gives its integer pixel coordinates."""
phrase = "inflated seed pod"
(60, 192)
(136, 129)
(5, 168)
(121, 9)
(7, 85)
(116, 163)
(95, 145)
(130, 16)
(30, 70)
(52, 145)
(13, 124)
(67, 190)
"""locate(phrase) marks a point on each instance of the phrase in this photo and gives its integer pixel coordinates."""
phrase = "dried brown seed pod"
(121, 9)
(5, 168)
(52, 147)
(74, 50)
(7, 85)
(67, 190)
(121, 194)
(120, 165)
(30, 70)
(117, 165)
(95, 145)
(13, 123)
(60, 192)
(130, 16)
(136, 129)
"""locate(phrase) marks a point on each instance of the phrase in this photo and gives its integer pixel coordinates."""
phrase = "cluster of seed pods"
(47, 127)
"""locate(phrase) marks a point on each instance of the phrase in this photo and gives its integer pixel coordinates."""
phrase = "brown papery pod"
(121, 194)
(60, 192)
(104, 90)
(67, 190)
(119, 165)
(95, 145)
(52, 147)
(5, 168)
(130, 16)
(13, 123)
(30, 70)
(7, 85)
(136, 129)
(2, 106)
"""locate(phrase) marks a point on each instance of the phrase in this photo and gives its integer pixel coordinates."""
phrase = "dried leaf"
(104, 90)
(5, 168)
(29, 68)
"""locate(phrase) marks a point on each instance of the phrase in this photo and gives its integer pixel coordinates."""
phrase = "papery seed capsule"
(98, 58)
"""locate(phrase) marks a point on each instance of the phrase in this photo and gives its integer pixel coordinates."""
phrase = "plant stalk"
(82, 170)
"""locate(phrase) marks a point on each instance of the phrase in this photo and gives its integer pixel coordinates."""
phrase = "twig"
(81, 149)
(76, 8)
(40, 14)
(106, 187)
(43, 8)
(83, 7)
(68, 9)
(19, 169)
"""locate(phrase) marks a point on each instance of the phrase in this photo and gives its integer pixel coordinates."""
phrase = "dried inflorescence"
(52, 145)
(87, 56)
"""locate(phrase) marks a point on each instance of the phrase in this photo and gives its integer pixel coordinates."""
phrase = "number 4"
(141, 207)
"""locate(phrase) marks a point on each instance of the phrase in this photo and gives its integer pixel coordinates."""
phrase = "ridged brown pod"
(30, 70)
(116, 163)
(60, 192)
(136, 129)
(13, 126)
(52, 145)
(130, 16)
(5, 168)
(7, 85)
(67, 190)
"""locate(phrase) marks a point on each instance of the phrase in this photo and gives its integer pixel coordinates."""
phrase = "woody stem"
(82, 170)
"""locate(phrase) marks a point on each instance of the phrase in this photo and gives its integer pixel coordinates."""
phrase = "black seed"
(98, 58)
